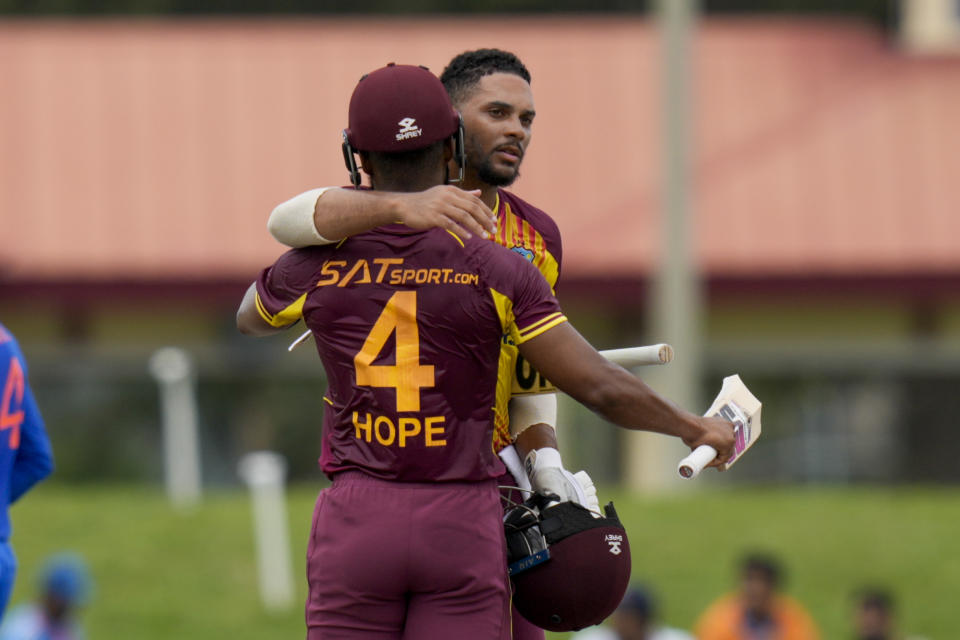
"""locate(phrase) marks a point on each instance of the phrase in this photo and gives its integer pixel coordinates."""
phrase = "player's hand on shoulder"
(447, 207)
(718, 433)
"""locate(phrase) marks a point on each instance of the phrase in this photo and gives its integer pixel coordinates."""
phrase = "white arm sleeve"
(291, 222)
(528, 410)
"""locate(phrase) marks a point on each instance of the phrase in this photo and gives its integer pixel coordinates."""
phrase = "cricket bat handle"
(640, 356)
(691, 466)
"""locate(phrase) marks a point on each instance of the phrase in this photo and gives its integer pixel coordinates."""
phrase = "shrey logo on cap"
(614, 541)
(408, 129)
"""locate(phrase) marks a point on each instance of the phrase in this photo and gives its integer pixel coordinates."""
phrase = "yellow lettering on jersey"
(434, 427)
(409, 427)
(330, 273)
(466, 278)
(358, 266)
(407, 376)
(362, 426)
(407, 431)
(384, 263)
(385, 440)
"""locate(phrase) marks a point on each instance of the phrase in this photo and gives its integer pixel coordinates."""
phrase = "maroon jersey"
(409, 326)
(531, 233)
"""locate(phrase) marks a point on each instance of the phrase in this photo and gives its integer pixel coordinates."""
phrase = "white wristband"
(291, 222)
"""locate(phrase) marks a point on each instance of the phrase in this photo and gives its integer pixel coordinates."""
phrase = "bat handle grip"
(691, 466)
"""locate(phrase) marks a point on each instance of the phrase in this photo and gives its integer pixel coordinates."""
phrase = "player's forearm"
(628, 402)
(341, 213)
(537, 436)
(323, 216)
(532, 417)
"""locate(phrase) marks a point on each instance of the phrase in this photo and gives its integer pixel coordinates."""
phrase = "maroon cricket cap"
(398, 108)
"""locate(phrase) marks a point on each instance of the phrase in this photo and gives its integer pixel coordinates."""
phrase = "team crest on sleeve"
(526, 253)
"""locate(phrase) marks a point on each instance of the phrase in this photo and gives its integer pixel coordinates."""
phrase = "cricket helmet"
(569, 567)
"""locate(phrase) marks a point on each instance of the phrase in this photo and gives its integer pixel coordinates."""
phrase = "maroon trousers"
(407, 561)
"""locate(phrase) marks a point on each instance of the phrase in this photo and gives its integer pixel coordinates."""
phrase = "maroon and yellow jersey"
(409, 326)
(533, 234)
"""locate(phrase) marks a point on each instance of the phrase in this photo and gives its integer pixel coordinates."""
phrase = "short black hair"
(407, 165)
(763, 565)
(875, 598)
(466, 69)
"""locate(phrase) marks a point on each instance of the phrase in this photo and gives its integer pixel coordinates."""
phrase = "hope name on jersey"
(409, 327)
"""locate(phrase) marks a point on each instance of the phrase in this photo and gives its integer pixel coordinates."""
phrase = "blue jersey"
(25, 453)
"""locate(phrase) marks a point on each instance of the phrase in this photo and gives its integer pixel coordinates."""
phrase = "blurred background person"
(65, 587)
(757, 610)
(26, 457)
(634, 619)
(875, 616)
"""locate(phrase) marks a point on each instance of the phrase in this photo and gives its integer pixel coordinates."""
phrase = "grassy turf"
(163, 574)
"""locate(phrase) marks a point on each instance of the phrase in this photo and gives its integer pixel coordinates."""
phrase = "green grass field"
(161, 574)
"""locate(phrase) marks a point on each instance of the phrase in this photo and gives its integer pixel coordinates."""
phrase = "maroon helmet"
(569, 569)
(398, 108)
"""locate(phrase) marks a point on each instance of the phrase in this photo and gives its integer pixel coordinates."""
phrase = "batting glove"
(547, 476)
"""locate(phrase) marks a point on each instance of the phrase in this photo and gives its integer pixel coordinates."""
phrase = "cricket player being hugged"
(491, 90)
(408, 541)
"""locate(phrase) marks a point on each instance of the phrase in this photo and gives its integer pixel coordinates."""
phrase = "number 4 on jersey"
(12, 393)
(407, 376)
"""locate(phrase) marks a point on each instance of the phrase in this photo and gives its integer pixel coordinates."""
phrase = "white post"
(264, 473)
(172, 368)
(676, 303)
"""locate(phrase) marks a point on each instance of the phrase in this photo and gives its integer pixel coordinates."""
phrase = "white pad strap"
(511, 460)
(291, 222)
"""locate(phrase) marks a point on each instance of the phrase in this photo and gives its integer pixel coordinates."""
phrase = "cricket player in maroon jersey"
(408, 324)
(491, 89)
